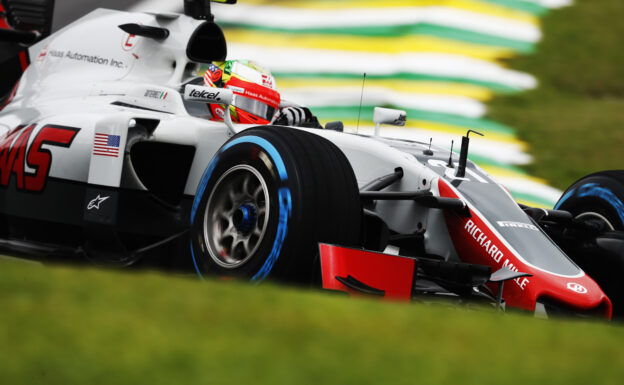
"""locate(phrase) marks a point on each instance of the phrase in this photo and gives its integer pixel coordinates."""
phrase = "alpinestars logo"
(96, 202)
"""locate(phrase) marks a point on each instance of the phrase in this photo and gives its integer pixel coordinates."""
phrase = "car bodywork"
(101, 156)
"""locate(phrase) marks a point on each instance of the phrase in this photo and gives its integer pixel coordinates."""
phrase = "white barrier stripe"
(294, 18)
(529, 187)
(500, 152)
(294, 60)
(550, 3)
(377, 96)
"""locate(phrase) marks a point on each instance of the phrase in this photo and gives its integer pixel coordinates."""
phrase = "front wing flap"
(398, 278)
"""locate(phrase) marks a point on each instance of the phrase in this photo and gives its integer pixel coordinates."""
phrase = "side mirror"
(388, 116)
(335, 126)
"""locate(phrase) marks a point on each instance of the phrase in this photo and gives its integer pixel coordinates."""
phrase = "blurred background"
(543, 79)
(540, 78)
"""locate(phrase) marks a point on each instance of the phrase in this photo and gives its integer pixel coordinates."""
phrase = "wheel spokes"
(230, 244)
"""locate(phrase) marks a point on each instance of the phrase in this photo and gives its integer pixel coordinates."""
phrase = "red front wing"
(391, 274)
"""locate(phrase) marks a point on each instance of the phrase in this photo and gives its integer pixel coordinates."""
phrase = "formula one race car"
(103, 156)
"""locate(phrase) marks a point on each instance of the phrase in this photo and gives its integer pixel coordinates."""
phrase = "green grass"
(574, 121)
(83, 326)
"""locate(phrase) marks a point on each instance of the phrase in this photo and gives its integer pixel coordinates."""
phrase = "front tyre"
(266, 199)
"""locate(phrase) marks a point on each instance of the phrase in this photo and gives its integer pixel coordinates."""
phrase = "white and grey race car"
(103, 157)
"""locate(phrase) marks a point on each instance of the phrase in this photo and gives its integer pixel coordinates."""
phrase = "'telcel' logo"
(577, 287)
(205, 95)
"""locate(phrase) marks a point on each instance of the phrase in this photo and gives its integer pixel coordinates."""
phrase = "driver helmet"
(256, 101)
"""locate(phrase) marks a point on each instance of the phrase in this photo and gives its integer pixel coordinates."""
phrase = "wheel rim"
(590, 215)
(236, 216)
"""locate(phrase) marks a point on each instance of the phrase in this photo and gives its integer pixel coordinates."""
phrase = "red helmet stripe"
(254, 91)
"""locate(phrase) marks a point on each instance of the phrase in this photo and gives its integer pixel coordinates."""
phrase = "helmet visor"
(254, 107)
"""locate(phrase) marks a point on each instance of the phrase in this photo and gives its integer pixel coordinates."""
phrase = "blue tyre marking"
(284, 197)
(267, 146)
(285, 203)
(564, 198)
(195, 262)
(595, 190)
(202, 186)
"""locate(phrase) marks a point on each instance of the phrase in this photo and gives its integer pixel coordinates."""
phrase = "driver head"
(257, 100)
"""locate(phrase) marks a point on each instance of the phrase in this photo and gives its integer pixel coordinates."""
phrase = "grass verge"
(79, 326)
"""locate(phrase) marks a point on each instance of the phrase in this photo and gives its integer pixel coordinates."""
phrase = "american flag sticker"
(106, 145)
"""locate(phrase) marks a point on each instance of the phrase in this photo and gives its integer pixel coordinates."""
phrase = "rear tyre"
(599, 198)
(266, 199)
